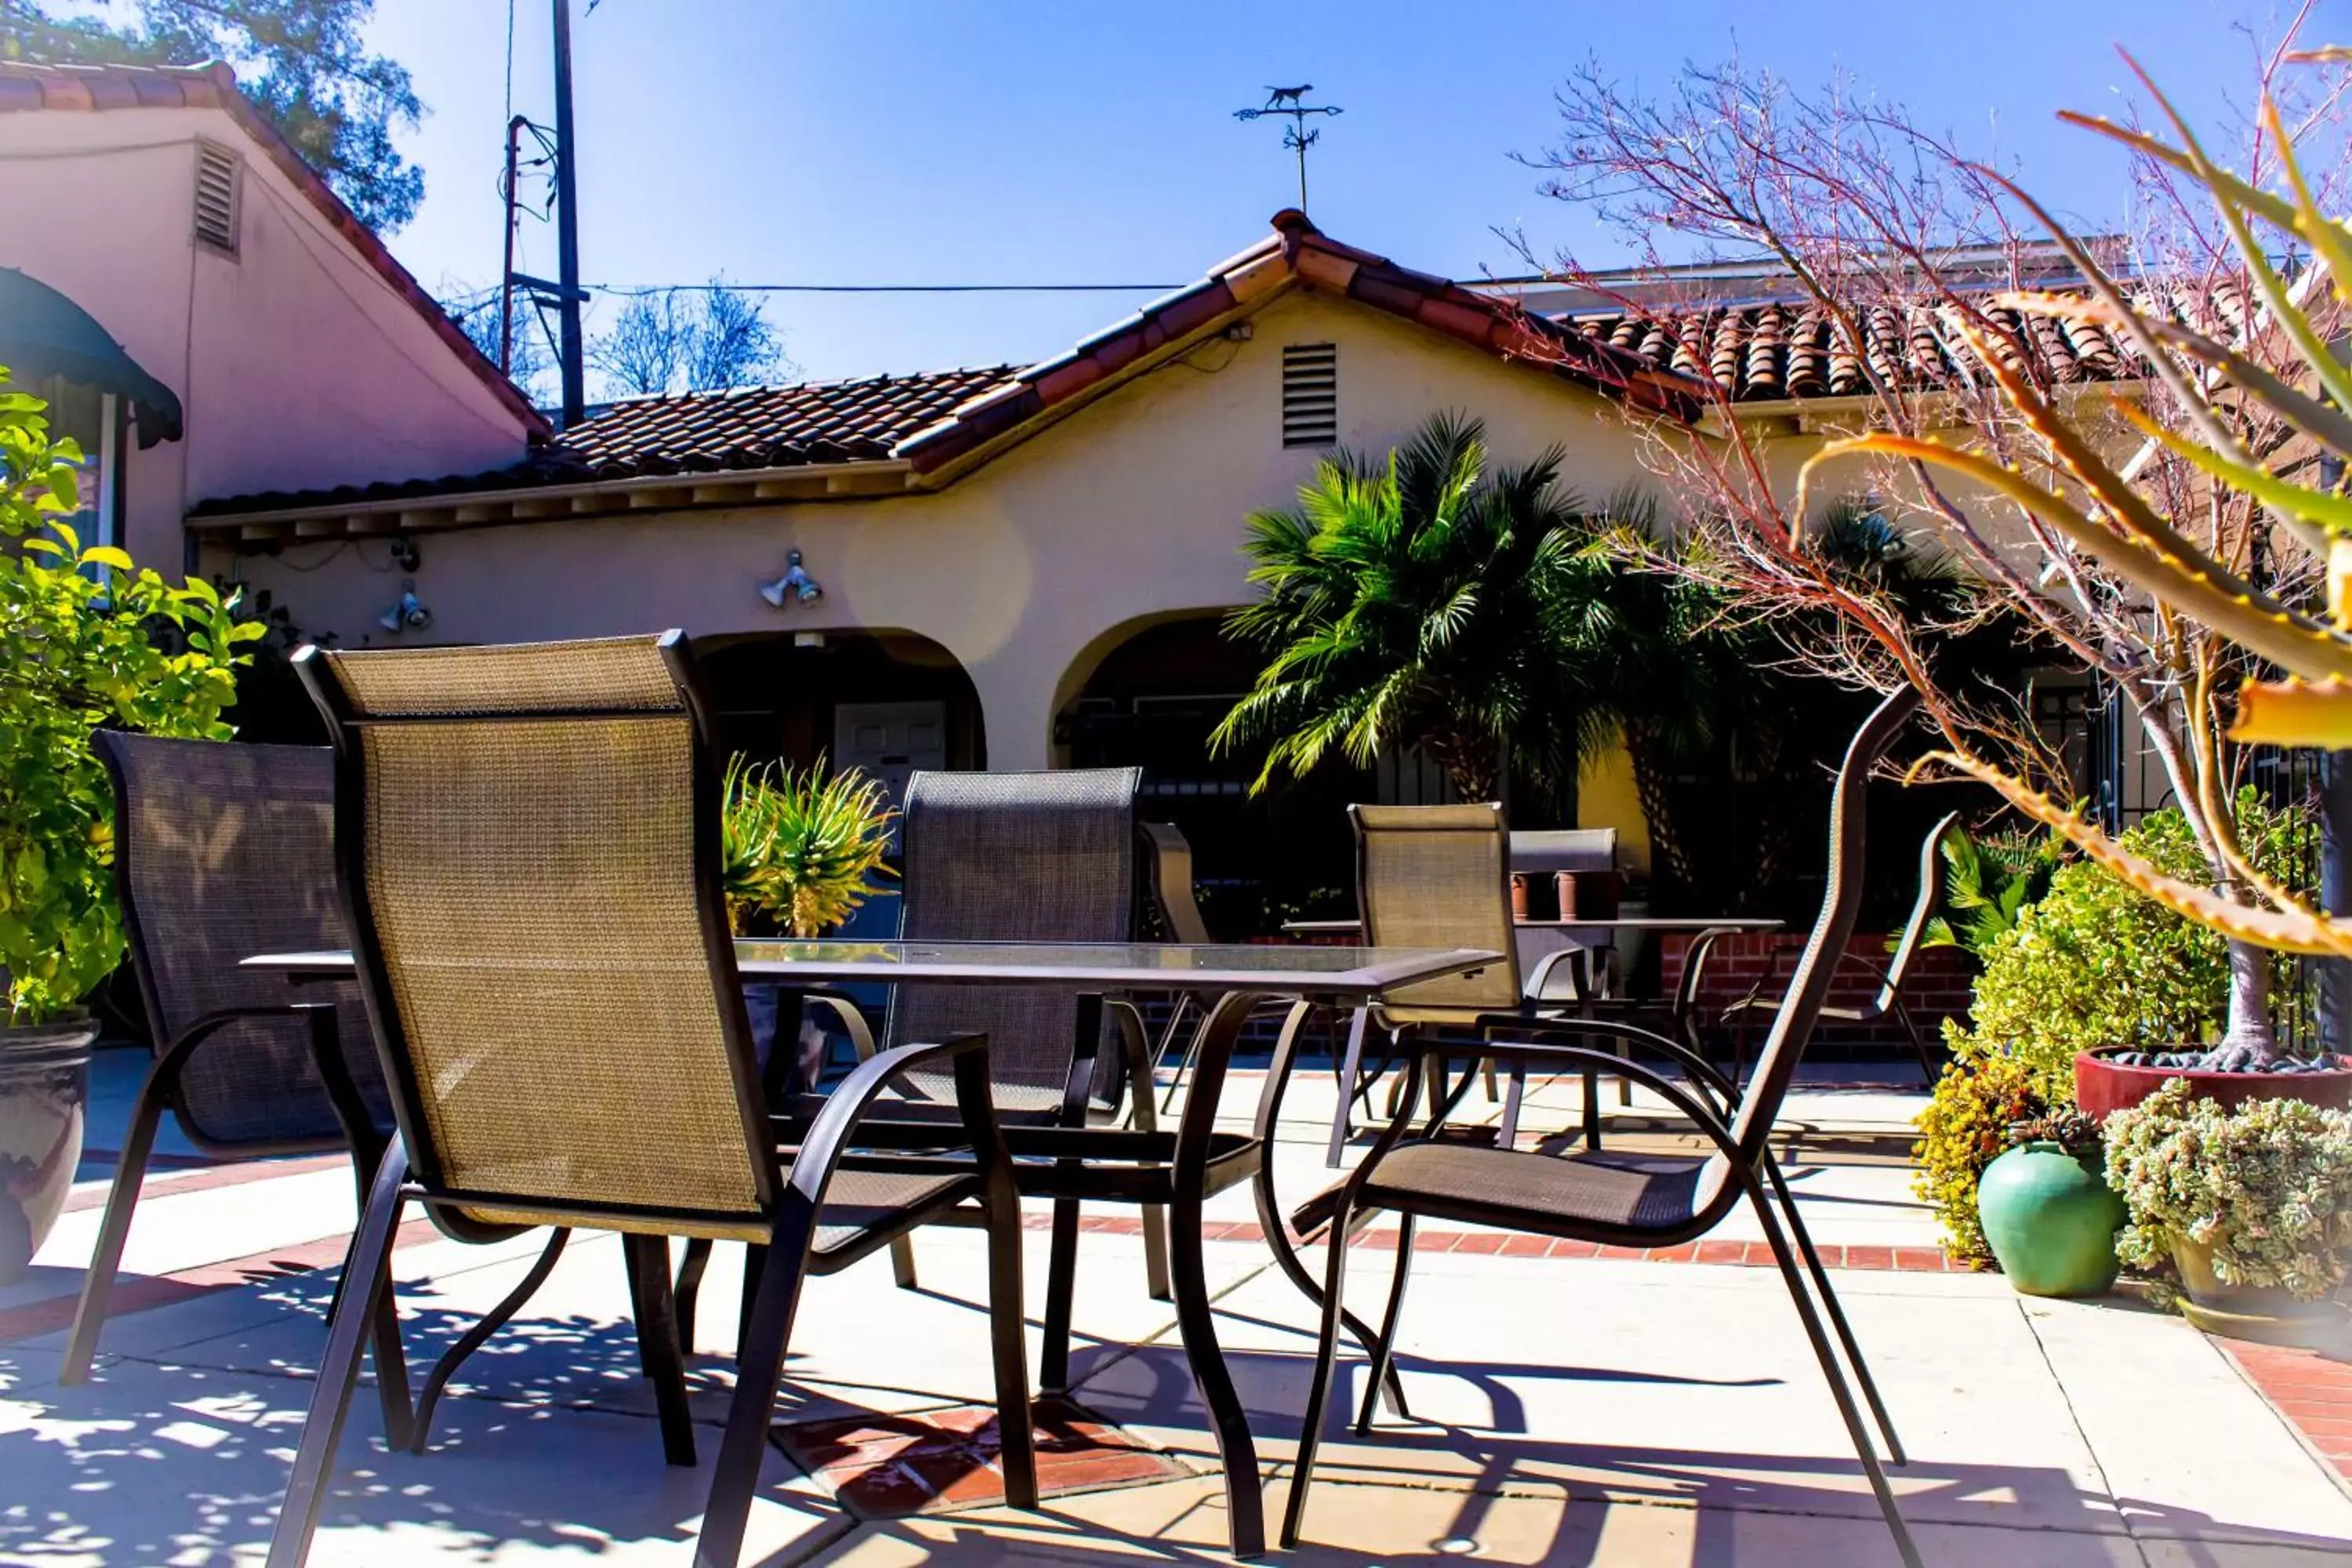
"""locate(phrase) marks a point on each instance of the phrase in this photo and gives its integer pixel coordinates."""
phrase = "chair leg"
(902, 1262)
(657, 1350)
(1061, 1285)
(1918, 1043)
(1318, 1392)
(686, 1292)
(1342, 1126)
(1507, 1136)
(478, 1336)
(759, 1368)
(1008, 1346)
(1824, 1353)
(1384, 1354)
(114, 1230)
(1836, 1311)
(339, 1371)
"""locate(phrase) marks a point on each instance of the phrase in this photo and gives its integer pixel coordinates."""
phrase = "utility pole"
(1289, 102)
(567, 230)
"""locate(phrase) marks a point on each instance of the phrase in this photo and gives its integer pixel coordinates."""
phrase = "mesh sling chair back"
(1627, 1200)
(223, 851)
(1439, 875)
(1887, 1000)
(1014, 858)
(527, 847)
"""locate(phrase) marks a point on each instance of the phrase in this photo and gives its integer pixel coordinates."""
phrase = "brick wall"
(1935, 989)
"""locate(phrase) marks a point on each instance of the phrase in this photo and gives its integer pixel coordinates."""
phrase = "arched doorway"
(885, 701)
(1151, 703)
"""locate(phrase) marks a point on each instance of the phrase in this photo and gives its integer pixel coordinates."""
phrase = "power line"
(636, 288)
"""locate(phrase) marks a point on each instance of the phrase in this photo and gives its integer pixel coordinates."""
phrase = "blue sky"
(1050, 141)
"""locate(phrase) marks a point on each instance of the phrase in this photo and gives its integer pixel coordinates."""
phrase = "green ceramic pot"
(2052, 1220)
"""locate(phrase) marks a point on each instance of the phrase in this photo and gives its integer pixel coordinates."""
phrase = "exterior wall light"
(408, 614)
(795, 584)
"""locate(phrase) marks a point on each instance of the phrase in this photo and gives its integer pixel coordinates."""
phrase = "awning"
(43, 333)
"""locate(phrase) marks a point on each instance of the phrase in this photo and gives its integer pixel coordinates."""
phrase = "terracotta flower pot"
(2264, 1313)
(43, 1088)
(2102, 1087)
(2051, 1219)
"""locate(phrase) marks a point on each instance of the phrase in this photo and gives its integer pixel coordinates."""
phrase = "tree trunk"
(1468, 761)
(1652, 787)
(2250, 1001)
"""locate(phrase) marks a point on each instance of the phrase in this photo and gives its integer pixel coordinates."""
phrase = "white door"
(888, 740)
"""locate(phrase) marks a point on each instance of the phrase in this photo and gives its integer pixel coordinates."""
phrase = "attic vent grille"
(216, 193)
(1310, 395)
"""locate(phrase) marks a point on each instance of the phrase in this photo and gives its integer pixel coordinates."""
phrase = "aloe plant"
(801, 846)
(2274, 362)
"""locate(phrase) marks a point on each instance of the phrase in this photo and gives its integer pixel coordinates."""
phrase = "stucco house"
(1010, 567)
(206, 317)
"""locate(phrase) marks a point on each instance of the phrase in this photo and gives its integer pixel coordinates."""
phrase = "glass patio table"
(1178, 1170)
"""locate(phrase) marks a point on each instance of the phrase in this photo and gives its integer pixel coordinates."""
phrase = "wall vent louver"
(217, 197)
(1310, 395)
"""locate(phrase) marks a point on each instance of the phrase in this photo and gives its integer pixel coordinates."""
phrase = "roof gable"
(26, 88)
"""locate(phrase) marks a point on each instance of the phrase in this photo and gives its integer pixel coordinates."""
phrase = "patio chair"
(528, 847)
(1439, 875)
(1888, 998)
(223, 851)
(1024, 856)
(1620, 1200)
(1168, 875)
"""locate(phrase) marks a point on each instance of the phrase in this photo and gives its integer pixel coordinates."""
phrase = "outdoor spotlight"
(408, 614)
(795, 584)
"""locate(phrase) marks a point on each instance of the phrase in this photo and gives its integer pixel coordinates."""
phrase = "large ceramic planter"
(2264, 1313)
(44, 1086)
(2102, 1087)
(2051, 1220)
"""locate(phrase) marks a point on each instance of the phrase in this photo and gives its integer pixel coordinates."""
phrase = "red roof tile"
(26, 88)
(1298, 253)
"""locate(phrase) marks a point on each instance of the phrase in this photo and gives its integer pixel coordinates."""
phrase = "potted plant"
(2047, 1211)
(799, 848)
(2251, 1207)
(80, 650)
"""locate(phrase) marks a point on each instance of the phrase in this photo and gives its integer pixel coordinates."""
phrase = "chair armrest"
(1695, 1067)
(1143, 1111)
(1534, 989)
(852, 1021)
(1705, 1118)
(829, 1136)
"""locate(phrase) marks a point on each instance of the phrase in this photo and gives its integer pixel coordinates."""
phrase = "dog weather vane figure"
(1289, 102)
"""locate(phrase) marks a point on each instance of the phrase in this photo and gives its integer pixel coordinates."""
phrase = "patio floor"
(1569, 1409)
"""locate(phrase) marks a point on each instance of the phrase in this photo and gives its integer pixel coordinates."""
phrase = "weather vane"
(1288, 101)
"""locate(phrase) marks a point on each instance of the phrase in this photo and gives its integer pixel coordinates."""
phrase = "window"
(1310, 395)
(217, 197)
(90, 419)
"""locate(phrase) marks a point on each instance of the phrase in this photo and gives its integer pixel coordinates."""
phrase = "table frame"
(1155, 1170)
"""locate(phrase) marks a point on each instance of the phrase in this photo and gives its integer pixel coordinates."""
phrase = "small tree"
(672, 340)
(78, 652)
(302, 62)
(1412, 601)
(1910, 263)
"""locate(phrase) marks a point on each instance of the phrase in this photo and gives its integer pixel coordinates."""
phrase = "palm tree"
(1415, 601)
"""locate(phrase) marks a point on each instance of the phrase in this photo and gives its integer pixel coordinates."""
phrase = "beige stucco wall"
(1028, 569)
(296, 362)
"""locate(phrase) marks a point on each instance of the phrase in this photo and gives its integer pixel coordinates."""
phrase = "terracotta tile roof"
(26, 88)
(1774, 351)
(692, 433)
(1299, 255)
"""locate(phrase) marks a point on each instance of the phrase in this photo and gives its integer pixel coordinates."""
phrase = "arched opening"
(885, 701)
(1151, 701)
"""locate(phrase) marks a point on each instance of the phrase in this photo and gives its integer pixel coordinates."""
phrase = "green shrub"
(1969, 1123)
(799, 846)
(2267, 1186)
(2095, 963)
(82, 646)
